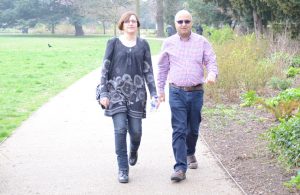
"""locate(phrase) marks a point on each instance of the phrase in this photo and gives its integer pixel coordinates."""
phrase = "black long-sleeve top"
(125, 71)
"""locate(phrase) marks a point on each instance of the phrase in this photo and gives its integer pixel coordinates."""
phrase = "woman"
(126, 68)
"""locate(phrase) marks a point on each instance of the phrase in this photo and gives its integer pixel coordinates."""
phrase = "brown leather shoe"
(178, 175)
(192, 162)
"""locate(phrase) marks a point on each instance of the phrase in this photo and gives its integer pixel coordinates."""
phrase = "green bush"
(219, 36)
(249, 98)
(284, 140)
(280, 56)
(241, 67)
(296, 62)
(292, 72)
(286, 104)
(294, 182)
(280, 84)
(283, 106)
(287, 95)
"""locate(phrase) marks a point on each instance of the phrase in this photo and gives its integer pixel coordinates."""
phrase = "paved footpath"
(67, 147)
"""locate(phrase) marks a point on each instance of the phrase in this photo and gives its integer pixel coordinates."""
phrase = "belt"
(189, 88)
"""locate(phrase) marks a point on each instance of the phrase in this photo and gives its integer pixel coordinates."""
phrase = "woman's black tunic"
(125, 71)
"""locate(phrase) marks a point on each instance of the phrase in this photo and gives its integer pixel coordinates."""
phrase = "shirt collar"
(189, 38)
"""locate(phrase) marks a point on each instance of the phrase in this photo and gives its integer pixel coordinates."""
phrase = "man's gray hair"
(182, 12)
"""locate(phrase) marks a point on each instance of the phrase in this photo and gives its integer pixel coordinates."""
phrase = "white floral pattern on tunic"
(125, 72)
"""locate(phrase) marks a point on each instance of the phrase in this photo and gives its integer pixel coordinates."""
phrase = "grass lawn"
(31, 72)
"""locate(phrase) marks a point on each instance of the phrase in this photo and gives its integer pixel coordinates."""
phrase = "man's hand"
(210, 79)
(161, 97)
(104, 102)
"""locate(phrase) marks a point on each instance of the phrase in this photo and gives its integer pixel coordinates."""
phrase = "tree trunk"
(24, 30)
(258, 27)
(160, 18)
(103, 26)
(115, 19)
(78, 30)
(137, 10)
(52, 29)
(115, 29)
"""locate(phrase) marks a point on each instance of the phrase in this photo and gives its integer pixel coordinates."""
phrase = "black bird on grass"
(49, 45)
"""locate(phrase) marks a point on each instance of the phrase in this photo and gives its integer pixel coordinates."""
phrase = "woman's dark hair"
(126, 17)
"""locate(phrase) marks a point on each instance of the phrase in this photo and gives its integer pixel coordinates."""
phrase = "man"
(170, 30)
(182, 59)
(199, 29)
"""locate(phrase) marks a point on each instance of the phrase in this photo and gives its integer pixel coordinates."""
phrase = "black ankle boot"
(123, 176)
(133, 158)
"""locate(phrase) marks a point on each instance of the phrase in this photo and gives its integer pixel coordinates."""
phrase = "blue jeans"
(122, 122)
(186, 117)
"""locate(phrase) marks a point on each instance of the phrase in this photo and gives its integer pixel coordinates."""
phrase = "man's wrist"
(212, 74)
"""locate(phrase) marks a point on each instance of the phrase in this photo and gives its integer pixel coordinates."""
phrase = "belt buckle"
(188, 88)
(193, 88)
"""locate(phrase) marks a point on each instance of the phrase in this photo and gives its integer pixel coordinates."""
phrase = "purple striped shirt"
(184, 61)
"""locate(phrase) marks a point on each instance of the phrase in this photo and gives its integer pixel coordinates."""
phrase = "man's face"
(184, 24)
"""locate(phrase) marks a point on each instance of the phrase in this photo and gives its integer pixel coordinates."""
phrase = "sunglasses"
(183, 21)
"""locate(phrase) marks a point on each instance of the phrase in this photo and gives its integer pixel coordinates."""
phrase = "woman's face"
(130, 25)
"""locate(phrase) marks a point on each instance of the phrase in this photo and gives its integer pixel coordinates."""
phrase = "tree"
(7, 13)
(101, 10)
(208, 13)
(260, 11)
(116, 7)
(170, 9)
(53, 12)
(285, 15)
(160, 18)
(257, 10)
(27, 14)
(147, 18)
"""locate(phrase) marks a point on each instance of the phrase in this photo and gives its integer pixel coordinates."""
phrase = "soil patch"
(234, 134)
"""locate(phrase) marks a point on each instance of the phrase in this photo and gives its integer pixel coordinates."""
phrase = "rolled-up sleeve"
(209, 59)
(148, 71)
(163, 68)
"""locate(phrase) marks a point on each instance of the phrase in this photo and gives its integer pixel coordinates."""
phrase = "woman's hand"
(104, 102)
